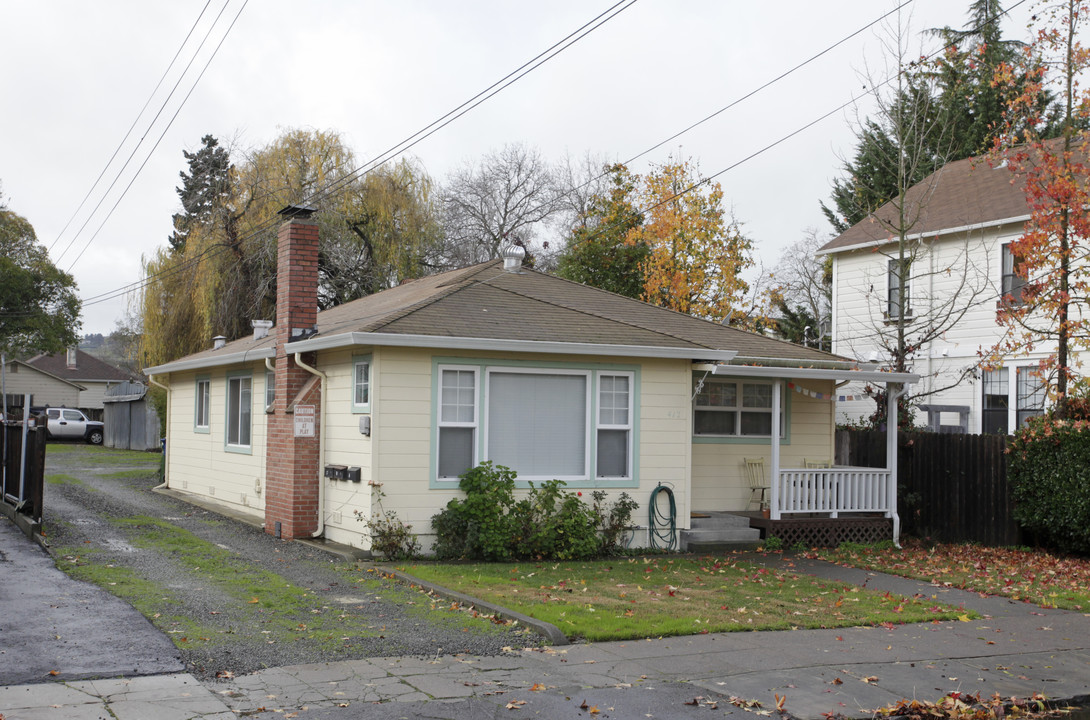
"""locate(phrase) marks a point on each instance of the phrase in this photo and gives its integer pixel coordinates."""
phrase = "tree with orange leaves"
(1053, 253)
(695, 253)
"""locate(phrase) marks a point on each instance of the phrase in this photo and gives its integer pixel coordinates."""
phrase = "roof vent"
(512, 258)
(261, 328)
(218, 342)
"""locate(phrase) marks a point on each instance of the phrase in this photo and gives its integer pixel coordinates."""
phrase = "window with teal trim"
(735, 408)
(239, 408)
(361, 385)
(201, 412)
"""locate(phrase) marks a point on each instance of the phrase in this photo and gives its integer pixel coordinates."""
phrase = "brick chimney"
(291, 463)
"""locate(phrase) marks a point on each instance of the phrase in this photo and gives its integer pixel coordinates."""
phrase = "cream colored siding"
(719, 476)
(346, 501)
(402, 428)
(46, 390)
(95, 392)
(198, 462)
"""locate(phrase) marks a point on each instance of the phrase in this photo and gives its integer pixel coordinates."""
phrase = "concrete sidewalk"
(1016, 649)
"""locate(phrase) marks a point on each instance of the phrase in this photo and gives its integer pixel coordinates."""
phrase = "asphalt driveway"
(230, 598)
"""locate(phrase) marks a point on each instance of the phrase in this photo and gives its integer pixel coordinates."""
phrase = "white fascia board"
(919, 236)
(212, 361)
(815, 373)
(501, 345)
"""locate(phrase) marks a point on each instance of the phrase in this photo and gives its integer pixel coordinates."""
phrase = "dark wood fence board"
(951, 488)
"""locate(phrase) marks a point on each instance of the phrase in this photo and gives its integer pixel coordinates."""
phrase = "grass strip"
(1033, 576)
(635, 598)
(65, 479)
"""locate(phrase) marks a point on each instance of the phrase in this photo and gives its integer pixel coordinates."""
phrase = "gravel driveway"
(233, 599)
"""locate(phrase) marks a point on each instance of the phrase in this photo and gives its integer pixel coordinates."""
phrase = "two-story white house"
(961, 221)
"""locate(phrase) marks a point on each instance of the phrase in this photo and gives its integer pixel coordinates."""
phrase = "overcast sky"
(75, 75)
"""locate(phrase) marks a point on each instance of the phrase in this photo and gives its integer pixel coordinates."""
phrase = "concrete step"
(716, 519)
(724, 534)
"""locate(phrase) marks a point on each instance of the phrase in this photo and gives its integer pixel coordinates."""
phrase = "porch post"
(893, 392)
(774, 490)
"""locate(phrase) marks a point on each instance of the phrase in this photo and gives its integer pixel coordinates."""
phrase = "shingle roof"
(961, 194)
(88, 367)
(484, 301)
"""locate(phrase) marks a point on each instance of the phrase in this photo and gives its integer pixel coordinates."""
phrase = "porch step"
(713, 531)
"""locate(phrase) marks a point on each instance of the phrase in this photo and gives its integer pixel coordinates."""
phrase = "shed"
(131, 421)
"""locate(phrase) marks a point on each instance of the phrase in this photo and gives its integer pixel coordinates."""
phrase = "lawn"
(1033, 576)
(634, 598)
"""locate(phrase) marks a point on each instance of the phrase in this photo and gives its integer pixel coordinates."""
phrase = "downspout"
(891, 455)
(321, 443)
(166, 464)
(774, 495)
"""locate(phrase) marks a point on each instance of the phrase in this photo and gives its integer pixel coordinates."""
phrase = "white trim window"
(1011, 283)
(995, 389)
(1031, 395)
(733, 408)
(899, 287)
(457, 421)
(239, 409)
(201, 411)
(361, 384)
(270, 390)
(614, 451)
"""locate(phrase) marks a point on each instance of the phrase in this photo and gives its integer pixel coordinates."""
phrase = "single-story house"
(45, 388)
(379, 404)
(93, 375)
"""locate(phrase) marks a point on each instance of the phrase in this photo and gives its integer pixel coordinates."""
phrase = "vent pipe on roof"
(218, 342)
(261, 328)
(512, 258)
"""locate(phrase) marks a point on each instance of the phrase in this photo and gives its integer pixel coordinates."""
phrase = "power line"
(131, 127)
(156, 145)
(417, 137)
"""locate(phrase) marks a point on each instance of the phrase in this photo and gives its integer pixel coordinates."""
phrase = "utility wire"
(489, 92)
(160, 138)
(133, 126)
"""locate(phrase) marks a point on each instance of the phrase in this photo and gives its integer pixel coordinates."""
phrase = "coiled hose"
(663, 527)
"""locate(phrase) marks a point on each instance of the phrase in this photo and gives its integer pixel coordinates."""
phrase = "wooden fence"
(950, 488)
(21, 493)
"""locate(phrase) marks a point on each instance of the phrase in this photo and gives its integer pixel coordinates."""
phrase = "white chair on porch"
(758, 486)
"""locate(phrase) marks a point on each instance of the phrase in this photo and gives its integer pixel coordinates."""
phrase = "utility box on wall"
(336, 472)
(353, 474)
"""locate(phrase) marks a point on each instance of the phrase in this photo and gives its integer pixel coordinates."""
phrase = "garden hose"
(663, 528)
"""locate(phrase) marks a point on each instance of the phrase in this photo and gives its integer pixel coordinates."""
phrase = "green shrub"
(549, 523)
(1049, 472)
(480, 527)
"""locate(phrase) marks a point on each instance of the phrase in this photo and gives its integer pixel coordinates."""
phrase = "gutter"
(212, 361)
(923, 235)
(321, 443)
(504, 345)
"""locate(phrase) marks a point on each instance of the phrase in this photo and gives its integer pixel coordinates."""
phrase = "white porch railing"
(832, 490)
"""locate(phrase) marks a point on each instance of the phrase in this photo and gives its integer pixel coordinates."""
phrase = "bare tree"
(505, 196)
(919, 289)
(802, 282)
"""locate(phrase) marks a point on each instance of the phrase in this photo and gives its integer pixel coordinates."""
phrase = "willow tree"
(377, 228)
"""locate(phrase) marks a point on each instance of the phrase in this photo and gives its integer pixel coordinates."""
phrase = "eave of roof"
(210, 361)
(505, 345)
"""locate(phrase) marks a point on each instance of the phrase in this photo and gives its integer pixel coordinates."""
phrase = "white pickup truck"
(69, 424)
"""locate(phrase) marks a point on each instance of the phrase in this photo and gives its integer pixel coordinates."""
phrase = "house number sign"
(304, 421)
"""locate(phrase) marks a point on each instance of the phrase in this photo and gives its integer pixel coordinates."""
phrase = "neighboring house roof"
(88, 368)
(32, 368)
(485, 306)
(962, 195)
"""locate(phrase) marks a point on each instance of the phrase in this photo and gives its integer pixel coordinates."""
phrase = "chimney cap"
(218, 342)
(297, 211)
